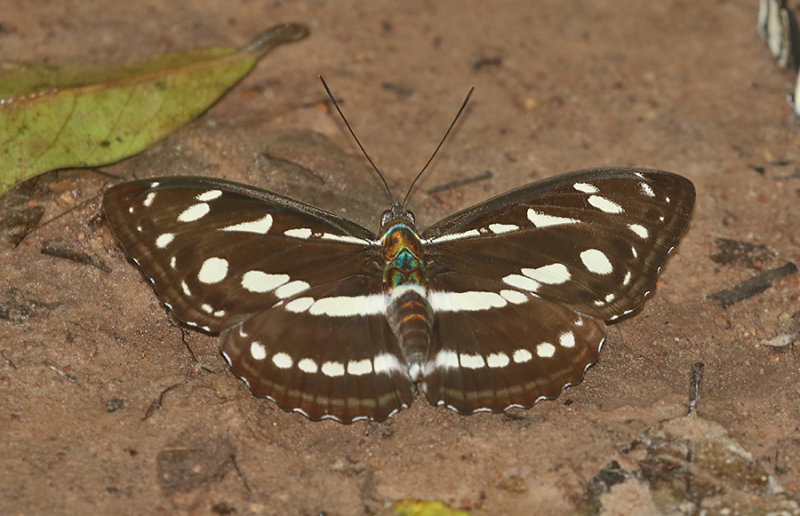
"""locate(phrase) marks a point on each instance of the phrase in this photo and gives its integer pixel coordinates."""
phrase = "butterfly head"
(397, 214)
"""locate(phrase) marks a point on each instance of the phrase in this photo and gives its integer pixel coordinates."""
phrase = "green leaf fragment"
(426, 508)
(78, 115)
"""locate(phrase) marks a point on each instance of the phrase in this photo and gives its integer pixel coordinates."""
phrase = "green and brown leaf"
(78, 115)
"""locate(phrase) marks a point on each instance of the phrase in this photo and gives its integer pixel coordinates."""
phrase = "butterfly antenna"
(363, 150)
(441, 142)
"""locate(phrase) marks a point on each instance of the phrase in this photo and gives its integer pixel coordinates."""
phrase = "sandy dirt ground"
(107, 406)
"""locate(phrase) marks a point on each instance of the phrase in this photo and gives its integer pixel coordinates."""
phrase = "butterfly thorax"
(409, 314)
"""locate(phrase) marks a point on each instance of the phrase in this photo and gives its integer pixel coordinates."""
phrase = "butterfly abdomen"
(409, 314)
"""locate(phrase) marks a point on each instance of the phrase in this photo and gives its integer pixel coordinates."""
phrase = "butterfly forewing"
(219, 252)
(593, 240)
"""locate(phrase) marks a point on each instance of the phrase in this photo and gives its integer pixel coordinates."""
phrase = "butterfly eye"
(386, 217)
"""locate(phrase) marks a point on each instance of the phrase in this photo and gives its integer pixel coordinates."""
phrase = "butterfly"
(497, 306)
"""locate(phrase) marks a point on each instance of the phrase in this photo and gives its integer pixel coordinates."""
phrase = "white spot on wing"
(640, 230)
(585, 187)
(209, 195)
(471, 361)
(446, 359)
(596, 261)
(521, 356)
(155, 184)
(347, 239)
(299, 305)
(282, 360)
(359, 367)
(497, 360)
(148, 200)
(513, 296)
(213, 270)
(542, 220)
(627, 278)
(194, 212)
(291, 288)
(348, 306)
(567, 339)
(553, 274)
(307, 365)
(259, 226)
(469, 301)
(298, 233)
(185, 288)
(258, 351)
(545, 350)
(516, 280)
(502, 228)
(164, 240)
(647, 190)
(386, 363)
(603, 204)
(260, 282)
(333, 369)
(456, 236)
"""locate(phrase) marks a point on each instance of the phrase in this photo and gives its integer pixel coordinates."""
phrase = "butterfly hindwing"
(219, 252)
(494, 347)
(326, 352)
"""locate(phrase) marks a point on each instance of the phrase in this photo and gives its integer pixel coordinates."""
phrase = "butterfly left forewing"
(218, 252)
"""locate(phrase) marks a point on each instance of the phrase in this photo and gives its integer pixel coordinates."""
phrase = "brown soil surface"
(104, 410)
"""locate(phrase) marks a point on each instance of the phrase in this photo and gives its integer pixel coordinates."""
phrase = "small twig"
(755, 285)
(71, 377)
(65, 252)
(10, 363)
(160, 402)
(461, 182)
(239, 472)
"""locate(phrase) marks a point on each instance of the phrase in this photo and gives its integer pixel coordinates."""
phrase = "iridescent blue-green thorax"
(402, 250)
